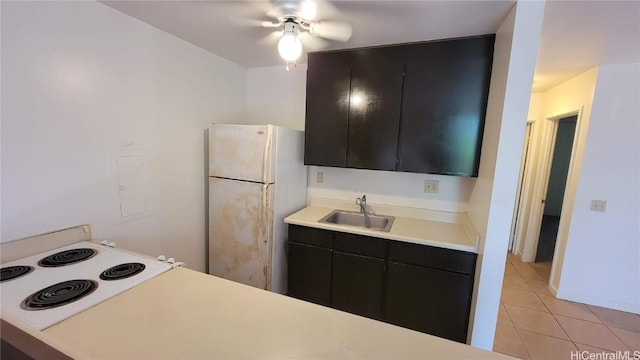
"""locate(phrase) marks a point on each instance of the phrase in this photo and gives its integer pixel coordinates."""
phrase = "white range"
(44, 289)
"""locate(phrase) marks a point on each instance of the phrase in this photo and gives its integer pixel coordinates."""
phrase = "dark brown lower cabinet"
(309, 274)
(433, 301)
(419, 287)
(357, 284)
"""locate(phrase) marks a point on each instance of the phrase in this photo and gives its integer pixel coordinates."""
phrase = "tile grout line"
(602, 322)
(539, 297)
(540, 333)
(619, 338)
(526, 348)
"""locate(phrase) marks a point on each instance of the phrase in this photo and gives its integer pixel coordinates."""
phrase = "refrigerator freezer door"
(240, 231)
(241, 152)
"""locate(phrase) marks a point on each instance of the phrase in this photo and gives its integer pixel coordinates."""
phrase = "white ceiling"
(576, 35)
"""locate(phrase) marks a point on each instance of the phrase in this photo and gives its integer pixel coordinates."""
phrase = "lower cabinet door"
(357, 284)
(432, 301)
(309, 274)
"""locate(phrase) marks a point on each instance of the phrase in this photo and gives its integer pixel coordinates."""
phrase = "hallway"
(532, 324)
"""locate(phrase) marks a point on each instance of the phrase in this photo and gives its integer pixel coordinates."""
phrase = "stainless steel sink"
(358, 219)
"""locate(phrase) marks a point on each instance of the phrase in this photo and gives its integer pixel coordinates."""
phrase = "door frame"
(542, 183)
(519, 211)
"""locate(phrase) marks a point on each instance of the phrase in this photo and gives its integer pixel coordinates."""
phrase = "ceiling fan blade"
(332, 30)
(253, 23)
(312, 43)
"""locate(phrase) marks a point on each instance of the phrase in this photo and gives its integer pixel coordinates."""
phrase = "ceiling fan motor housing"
(290, 26)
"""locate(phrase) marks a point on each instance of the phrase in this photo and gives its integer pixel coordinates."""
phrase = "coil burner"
(67, 257)
(59, 294)
(12, 272)
(122, 271)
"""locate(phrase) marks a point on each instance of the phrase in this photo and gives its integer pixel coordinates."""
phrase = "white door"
(241, 152)
(240, 231)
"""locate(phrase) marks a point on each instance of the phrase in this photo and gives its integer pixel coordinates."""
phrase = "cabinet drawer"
(433, 257)
(360, 245)
(310, 236)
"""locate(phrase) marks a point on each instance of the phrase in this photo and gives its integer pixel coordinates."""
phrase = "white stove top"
(13, 292)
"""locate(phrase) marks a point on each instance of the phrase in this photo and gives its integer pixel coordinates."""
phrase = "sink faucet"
(362, 201)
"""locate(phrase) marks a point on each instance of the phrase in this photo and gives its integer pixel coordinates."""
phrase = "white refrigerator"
(256, 179)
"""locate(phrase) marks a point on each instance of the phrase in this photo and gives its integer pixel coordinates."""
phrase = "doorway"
(557, 181)
(518, 211)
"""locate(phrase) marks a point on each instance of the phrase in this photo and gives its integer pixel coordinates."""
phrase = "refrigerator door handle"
(266, 160)
(264, 214)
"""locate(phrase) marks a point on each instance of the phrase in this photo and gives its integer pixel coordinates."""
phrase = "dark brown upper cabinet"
(413, 107)
(374, 109)
(327, 117)
(446, 87)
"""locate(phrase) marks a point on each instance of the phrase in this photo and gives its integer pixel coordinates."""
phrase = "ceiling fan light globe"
(289, 47)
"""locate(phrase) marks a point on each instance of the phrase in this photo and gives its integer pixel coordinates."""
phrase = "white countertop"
(455, 234)
(183, 314)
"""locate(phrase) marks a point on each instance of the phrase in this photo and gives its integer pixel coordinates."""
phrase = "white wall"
(493, 197)
(392, 188)
(278, 97)
(602, 258)
(83, 83)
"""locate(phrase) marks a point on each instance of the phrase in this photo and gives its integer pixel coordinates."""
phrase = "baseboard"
(591, 300)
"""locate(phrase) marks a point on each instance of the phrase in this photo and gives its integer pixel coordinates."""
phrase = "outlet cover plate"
(598, 205)
(431, 186)
(319, 177)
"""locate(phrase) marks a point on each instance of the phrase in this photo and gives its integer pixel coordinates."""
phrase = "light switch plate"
(598, 205)
(319, 177)
(431, 186)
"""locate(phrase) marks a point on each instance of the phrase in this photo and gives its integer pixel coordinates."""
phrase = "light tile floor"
(533, 324)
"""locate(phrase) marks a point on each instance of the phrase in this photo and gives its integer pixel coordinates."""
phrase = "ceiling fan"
(296, 22)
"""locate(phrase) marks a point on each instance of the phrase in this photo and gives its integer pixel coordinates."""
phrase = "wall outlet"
(598, 205)
(431, 186)
(319, 177)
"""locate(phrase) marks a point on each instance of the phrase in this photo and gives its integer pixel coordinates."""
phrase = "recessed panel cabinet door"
(428, 300)
(374, 109)
(444, 103)
(309, 274)
(327, 112)
(357, 284)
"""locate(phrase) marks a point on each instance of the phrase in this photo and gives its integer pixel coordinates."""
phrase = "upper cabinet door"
(444, 104)
(374, 109)
(327, 114)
